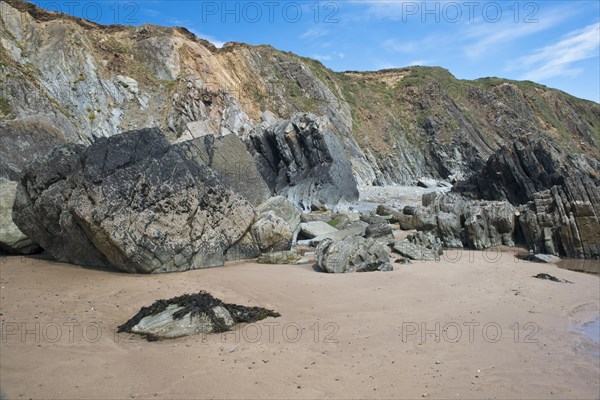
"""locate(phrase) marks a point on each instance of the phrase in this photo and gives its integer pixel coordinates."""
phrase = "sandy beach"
(481, 327)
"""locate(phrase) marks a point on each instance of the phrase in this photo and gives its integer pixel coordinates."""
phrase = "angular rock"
(227, 155)
(305, 161)
(357, 228)
(353, 254)
(272, 233)
(315, 229)
(340, 221)
(449, 229)
(373, 219)
(283, 208)
(132, 201)
(386, 211)
(424, 219)
(379, 231)
(280, 257)
(427, 183)
(415, 251)
(12, 240)
(316, 216)
(186, 315)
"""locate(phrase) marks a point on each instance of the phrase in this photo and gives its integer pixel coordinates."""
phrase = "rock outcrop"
(132, 201)
(558, 195)
(394, 126)
(564, 220)
(191, 314)
(353, 254)
(304, 160)
(24, 140)
(463, 222)
(313, 133)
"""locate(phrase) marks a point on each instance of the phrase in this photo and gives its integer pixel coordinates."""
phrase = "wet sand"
(502, 333)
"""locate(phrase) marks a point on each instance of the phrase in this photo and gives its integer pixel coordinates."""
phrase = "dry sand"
(362, 349)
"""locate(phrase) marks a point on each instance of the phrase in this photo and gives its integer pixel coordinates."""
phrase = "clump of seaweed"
(550, 278)
(197, 304)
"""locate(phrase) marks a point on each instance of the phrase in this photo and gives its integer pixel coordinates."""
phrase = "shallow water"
(591, 330)
(589, 266)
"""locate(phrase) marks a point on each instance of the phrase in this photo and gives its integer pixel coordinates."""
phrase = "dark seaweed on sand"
(550, 278)
(200, 303)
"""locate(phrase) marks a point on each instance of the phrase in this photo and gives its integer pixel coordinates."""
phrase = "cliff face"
(92, 81)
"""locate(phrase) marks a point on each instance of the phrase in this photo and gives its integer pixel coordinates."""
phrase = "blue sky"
(555, 43)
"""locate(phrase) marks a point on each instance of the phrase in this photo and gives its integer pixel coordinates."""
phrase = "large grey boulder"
(414, 251)
(194, 314)
(284, 209)
(379, 231)
(304, 160)
(353, 254)
(132, 201)
(12, 240)
(315, 229)
(272, 233)
(227, 155)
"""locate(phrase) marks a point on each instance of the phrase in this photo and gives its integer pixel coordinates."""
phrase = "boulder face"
(353, 254)
(304, 160)
(272, 233)
(12, 240)
(132, 201)
(227, 155)
(284, 209)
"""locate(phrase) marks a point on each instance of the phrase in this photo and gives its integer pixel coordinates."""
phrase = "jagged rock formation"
(312, 133)
(558, 194)
(304, 160)
(132, 201)
(395, 126)
(353, 254)
(191, 314)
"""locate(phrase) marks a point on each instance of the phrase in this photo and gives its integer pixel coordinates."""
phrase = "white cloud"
(400, 46)
(218, 43)
(314, 33)
(150, 12)
(391, 10)
(558, 58)
(488, 36)
(418, 62)
(321, 57)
